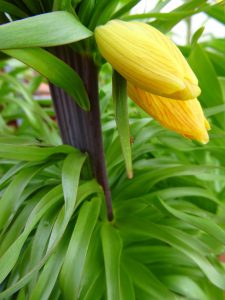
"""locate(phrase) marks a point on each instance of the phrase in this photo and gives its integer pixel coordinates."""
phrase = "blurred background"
(184, 28)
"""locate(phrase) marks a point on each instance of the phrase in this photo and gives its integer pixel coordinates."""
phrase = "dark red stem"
(79, 128)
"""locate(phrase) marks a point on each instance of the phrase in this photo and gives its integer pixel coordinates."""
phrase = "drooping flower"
(158, 75)
(184, 117)
(147, 58)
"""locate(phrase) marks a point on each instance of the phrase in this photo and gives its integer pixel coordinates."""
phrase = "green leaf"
(10, 257)
(222, 84)
(63, 5)
(214, 110)
(93, 271)
(201, 223)
(216, 43)
(187, 9)
(87, 189)
(126, 284)
(197, 35)
(102, 13)
(161, 17)
(27, 152)
(50, 272)
(150, 178)
(153, 254)
(70, 180)
(185, 286)
(185, 243)
(201, 65)
(56, 235)
(12, 171)
(95, 291)
(12, 9)
(73, 266)
(39, 245)
(86, 11)
(218, 60)
(217, 12)
(45, 30)
(125, 9)
(145, 280)
(122, 119)
(14, 231)
(33, 6)
(10, 199)
(112, 249)
(55, 70)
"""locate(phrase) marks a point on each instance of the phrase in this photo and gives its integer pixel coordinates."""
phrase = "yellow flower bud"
(184, 117)
(147, 58)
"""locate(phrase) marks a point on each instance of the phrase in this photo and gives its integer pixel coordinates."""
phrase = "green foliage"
(201, 64)
(43, 31)
(112, 248)
(55, 70)
(119, 87)
(169, 227)
(12, 9)
(17, 104)
(71, 278)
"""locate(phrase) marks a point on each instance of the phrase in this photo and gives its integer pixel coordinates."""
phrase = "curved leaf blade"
(55, 70)
(10, 257)
(201, 223)
(28, 152)
(45, 30)
(10, 198)
(49, 274)
(186, 244)
(70, 180)
(122, 119)
(11, 9)
(146, 281)
(75, 258)
(112, 249)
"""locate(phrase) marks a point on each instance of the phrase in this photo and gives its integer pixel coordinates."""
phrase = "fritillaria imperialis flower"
(158, 75)
(147, 58)
(184, 117)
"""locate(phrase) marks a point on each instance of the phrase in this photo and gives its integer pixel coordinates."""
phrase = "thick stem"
(79, 128)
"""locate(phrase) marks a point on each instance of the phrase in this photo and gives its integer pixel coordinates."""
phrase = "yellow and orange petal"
(147, 58)
(184, 117)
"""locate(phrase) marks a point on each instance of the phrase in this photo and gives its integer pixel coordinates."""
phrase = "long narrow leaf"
(112, 249)
(183, 243)
(122, 120)
(146, 281)
(8, 260)
(12, 9)
(28, 152)
(45, 30)
(50, 272)
(55, 70)
(9, 200)
(202, 223)
(73, 266)
(70, 179)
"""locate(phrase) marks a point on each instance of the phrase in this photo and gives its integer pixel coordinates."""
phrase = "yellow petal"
(184, 117)
(187, 93)
(147, 58)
